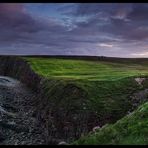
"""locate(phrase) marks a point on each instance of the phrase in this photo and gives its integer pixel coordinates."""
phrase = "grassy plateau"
(108, 86)
(86, 70)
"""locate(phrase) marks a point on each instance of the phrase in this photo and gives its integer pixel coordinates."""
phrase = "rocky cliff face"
(64, 111)
(19, 69)
(60, 108)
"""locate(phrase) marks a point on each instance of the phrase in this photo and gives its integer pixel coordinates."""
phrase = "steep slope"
(132, 129)
(18, 68)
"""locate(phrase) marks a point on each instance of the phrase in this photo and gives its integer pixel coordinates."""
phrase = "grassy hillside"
(108, 84)
(86, 70)
(99, 91)
(132, 129)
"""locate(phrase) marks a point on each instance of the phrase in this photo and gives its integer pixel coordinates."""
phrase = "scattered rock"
(16, 121)
(139, 80)
(96, 128)
(2, 137)
(62, 143)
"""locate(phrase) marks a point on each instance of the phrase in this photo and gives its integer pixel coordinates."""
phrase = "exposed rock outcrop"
(139, 80)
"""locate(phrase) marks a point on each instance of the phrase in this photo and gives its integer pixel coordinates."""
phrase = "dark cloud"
(85, 9)
(17, 25)
(139, 12)
(111, 29)
(14, 16)
(128, 21)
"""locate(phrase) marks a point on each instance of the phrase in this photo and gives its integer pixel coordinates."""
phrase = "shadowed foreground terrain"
(18, 126)
(73, 95)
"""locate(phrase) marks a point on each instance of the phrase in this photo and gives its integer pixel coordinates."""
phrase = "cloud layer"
(77, 29)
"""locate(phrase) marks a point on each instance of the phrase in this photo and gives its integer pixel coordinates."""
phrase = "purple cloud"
(90, 29)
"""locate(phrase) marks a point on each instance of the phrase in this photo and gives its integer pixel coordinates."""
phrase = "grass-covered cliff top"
(86, 70)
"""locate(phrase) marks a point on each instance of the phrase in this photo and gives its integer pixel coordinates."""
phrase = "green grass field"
(107, 86)
(86, 70)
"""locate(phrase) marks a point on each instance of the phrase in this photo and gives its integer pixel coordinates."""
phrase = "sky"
(97, 29)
